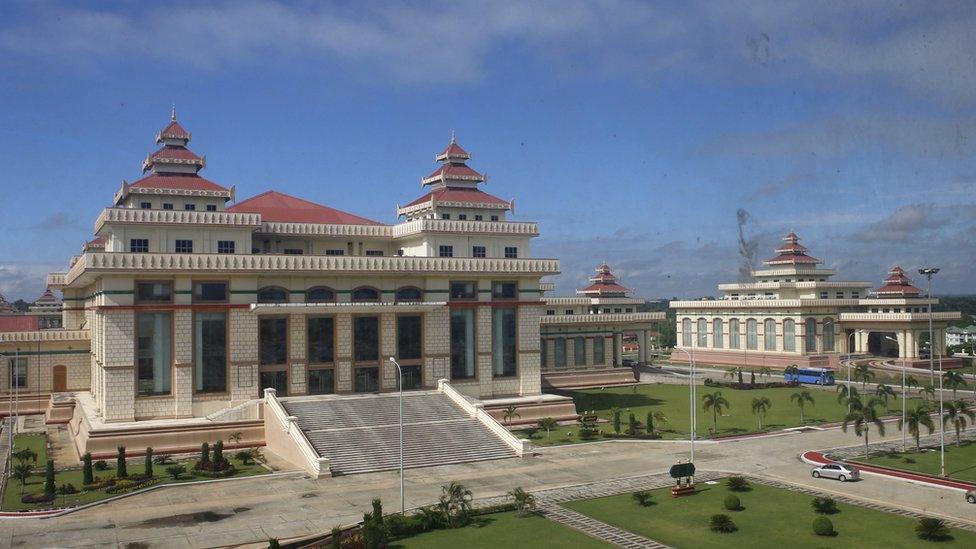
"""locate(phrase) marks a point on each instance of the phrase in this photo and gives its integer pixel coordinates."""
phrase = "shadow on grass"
(605, 401)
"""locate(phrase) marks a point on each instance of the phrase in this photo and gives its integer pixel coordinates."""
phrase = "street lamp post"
(929, 272)
(850, 358)
(400, 388)
(691, 396)
(904, 404)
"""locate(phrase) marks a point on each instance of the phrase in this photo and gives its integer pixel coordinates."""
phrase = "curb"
(819, 458)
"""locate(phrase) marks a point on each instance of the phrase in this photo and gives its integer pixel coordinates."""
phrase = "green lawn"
(960, 460)
(35, 484)
(770, 517)
(503, 530)
(34, 441)
(672, 400)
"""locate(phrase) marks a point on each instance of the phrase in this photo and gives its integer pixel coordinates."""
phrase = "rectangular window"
(18, 372)
(167, 206)
(211, 207)
(335, 252)
(511, 252)
(154, 349)
(543, 354)
(823, 295)
(478, 251)
(190, 207)
(445, 216)
(293, 251)
(445, 251)
(225, 246)
(855, 295)
(277, 380)
(412, 377)
(550, 312)
(464, 290)
(504, 329)
(598, 350)
(366, 338)
(321, 382)
(184, 246)
(478, 218)
(321, 339)
(840, 295)
(210, 352)
(139, 245)
(494, 218)
(145, 205)
(409, 337)
(579, 354)
(462, 343)
(504, 290)
(569, 311)
(374, 253)
(559, 350)
(154, 292)
(752, 335)
(209, 292)
(273, 341)
(366, 380)
(462, 217)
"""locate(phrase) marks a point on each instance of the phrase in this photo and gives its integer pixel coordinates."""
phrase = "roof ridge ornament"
(172, 113)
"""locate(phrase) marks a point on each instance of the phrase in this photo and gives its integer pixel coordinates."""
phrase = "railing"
(477, 411)
(582, 300)
(547, 286)
(601, 318)
(143, 262)
(761, 302)
(45, 335)
(55, 280)
(418, 226)
(326, 229)
(899, 317)
(176, 217)
(314, 465)
(801, 285)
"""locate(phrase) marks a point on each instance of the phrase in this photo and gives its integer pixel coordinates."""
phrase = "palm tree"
(22, 472)
(511, 414)
(765, 372)
(716, 402)
(24, 455)
(847, 394)
(862, 416)
(957, 412)
(523, 500)
(455, 500)
(547, 424)
(884, 392)
(733, 373)
(928, 391)
(911, 382)
(760, 406)
(953, 380)
(863, 373)
(235, 438)
(801, 398)
(916, 418)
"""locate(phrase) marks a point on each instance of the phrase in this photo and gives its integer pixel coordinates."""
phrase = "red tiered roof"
(19, 323)
(470, 196)
(176, 153)
(897, 284)
(456, 172)
(173, 131)
(280, 207)
(604, 284)
(792, 253)
(47, 297)
(183, 182)
(97, 243)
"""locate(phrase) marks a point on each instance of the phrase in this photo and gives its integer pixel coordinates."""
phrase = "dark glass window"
(321, 339)
(462, 343)
(464, 290)
(211, 207)
(189, 207)
(319, 295)
(409, 337)
(366, 380)
(145, 205)
(410, 295)
(210, 352)
(335, 252)
(478, 218)
(579, 354)
(273, 340)
(445, 251)
(374, 253)
(154, 292)
(184, 246)
(272, 294)
(18, 372)
(225, 246)
(445, 216)
(293, 251)
(139, 245)
(412, 378)
(154, 352)
(559, 350)
(366, 338)
(511, 252)
(503, 338)
(462, 217)
(504, 290)
(478, 251)
(494, 218)
(209, 292)
(598, 352)
(167, 206)
(365, 294)
(275, 380)
(321, 382)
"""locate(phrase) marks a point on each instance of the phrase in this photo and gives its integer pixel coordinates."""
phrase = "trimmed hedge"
(823, 527)
(732, 503)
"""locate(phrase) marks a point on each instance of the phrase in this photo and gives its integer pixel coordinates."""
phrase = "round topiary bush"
(732, 503)
(722, 524)
(823, 527)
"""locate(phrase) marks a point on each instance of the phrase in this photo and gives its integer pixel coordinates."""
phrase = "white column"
(902, 343)
(641, 347)
(618, 349)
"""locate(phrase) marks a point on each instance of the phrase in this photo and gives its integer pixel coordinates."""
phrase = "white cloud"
(24, 280)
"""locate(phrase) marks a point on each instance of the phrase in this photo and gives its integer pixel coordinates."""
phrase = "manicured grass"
(672, 400)
(36, 442)
(35, 484)
(503, 530)
(770, 517)
(960, 460)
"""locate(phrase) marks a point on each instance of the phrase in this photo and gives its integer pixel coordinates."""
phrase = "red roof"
(792, 253)
(98, 242)
(455, 171)
(180, 153)
(898, 284)
(19, 323)
(454, 150)
(472, 196)
(276, 206)
(604, 288)
(174, 130)
(183, 182)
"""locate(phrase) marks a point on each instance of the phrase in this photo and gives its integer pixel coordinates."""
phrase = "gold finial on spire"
(453, 138)
(172, 113)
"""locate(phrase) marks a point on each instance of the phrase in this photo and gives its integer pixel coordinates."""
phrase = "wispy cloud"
(23, 280)
(58, 221)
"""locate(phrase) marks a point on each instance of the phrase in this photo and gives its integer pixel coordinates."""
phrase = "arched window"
(752, 335)
(409, 294)
(272, 294)
(702, 332)
(769, 334)
(718, 331)
(789, 335)
(828, 334)
(320, 294)
(811, 335)
(734, 334)
(686, 332)
(365, 293)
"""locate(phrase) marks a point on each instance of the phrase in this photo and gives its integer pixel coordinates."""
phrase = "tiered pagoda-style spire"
(174, 156)
(5, 306)
(897, 284)
(604, 284)
(792, 253)
(454, 171)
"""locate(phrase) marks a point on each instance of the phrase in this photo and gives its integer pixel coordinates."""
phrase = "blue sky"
(636, 133)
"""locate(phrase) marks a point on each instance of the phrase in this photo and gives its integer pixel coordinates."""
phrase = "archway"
(882, 344)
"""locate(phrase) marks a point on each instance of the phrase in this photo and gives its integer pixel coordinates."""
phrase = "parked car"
(838, 471)
(971, 496)
(629, 363)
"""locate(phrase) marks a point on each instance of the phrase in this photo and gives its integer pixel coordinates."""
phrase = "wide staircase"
(361, 434)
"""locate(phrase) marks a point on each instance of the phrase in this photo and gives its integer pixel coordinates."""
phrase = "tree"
(766, 373)
(932, 529)
(149, 462)
(734, 374)
(24, 455)
(455, 502)
(547, 424)
(752, 378)
(49, 485)
(643, 498)
(716, 403)
(884, 392)
(953, 380)
(928, 391)
(375, 531)
(205, 453)
(235, 438)
(120, 471)
(632, 425)
(614, 416)
(916, 418)
(88, 476)
(176, 470)
(801, 398)
(337, 536)
(864, 374)
(847, 394)
(957, 413)
(245, 456)
(218, 454)
(911, 382)
(510, 414)
(862, 417)
(22, 471)
(760, 406)
(523, 500)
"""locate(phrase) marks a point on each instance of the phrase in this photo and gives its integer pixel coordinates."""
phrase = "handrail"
(521, 446)
(315, 465)
(45, 335)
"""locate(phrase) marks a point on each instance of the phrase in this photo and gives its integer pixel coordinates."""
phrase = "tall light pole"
(691, 395)
(929, 272)
(850, 358)
(400, 387)
(904, 403)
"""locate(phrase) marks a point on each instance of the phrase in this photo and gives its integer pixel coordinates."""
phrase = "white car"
(838, 471)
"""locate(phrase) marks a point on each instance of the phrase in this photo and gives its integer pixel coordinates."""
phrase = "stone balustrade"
(176, 217)
(899, 317)
(418, 226)
(762, 303)
(806, 284)
(45, 336)
(601, 318)
(55, 280)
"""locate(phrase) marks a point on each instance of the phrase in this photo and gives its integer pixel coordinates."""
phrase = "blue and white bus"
(815, 376)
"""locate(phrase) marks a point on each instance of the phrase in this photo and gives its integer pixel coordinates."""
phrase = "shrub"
(632, 424)
(722, 524)
(932, 529)
(101, 465)
(824, 505)
(737, 484)
(274, 544)
(245, 456)
(643, 498)
(120, 463)
(218, 454)
(129, 484)
(149, 462)
(909, 460)
(37, 498)
(732, 503)
(823, 527)
(204, 453)
(336, 537)
(403, 525)
(49, 477)
(164, 459)
(67, 489)
(175, 471)
(88, 477)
